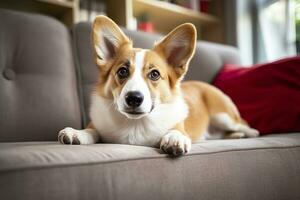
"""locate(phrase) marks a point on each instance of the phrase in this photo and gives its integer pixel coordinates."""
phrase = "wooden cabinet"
(63, 10)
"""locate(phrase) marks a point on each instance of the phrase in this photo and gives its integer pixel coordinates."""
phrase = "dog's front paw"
(69, 136)
(176, 143)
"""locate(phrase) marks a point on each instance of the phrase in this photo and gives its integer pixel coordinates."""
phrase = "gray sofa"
(46, 77)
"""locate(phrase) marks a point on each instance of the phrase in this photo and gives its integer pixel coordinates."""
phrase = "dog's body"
(140, 100)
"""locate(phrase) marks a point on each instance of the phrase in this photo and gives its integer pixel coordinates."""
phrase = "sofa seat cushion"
(261, 168)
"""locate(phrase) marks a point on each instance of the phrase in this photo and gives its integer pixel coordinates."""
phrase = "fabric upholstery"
(267, 95)
(38, 91)
(207, 61)
(261, 168)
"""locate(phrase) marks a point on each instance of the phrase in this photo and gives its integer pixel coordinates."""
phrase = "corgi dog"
(140, 100)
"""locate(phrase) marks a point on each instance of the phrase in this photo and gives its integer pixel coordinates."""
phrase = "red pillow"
(267, 95)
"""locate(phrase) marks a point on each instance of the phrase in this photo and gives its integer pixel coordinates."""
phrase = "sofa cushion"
(207, 61)
(260, 168)
(38, 91)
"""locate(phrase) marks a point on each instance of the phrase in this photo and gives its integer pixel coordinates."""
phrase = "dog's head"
(138, 80)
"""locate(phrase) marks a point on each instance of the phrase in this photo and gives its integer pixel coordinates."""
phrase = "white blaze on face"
(136, 82)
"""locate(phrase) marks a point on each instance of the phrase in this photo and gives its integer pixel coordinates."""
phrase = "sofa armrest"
(209, 58)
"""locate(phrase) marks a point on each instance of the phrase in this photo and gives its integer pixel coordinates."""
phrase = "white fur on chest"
(114, 127)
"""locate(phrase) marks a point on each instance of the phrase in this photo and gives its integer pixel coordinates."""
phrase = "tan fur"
(90, 125)
(204, 101)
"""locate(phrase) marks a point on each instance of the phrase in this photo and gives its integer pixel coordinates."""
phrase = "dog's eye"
(154, 75)
(123, 73)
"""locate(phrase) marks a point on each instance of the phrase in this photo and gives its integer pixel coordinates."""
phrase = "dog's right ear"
(107, 39)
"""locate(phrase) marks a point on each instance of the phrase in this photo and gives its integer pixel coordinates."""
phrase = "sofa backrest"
(38, 88)
(207, 61)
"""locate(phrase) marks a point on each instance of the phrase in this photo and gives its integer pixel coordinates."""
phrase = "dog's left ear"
(178, 47)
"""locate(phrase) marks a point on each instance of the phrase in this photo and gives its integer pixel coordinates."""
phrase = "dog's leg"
(224, 122)
(72, 136)
(176, 142)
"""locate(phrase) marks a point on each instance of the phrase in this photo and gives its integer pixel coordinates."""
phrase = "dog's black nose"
(134, 99)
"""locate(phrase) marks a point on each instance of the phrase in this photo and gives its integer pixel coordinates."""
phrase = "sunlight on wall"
(266, 30)
(278, 30)
(244, 27)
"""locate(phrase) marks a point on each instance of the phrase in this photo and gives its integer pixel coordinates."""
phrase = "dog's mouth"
(136, 114)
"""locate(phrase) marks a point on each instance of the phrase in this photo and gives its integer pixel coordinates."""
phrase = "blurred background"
(263, 30)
